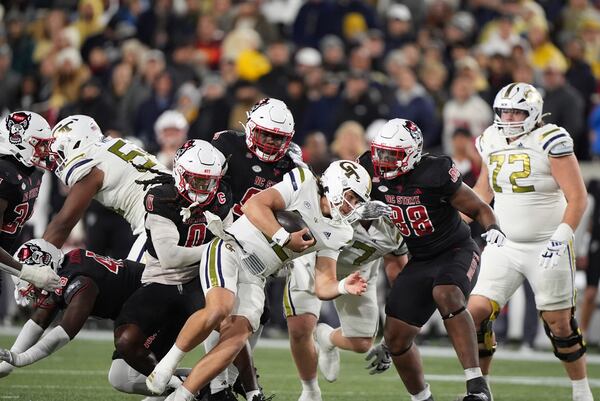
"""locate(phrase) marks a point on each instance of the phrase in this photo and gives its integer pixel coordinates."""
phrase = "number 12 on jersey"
(416, 222)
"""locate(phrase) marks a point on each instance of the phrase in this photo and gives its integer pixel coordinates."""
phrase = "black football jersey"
(165, 201)
(116, 281)
(19, 187)
(420, 200)
(247, 174)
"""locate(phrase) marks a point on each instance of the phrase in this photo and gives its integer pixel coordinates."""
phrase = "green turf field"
(78, 372)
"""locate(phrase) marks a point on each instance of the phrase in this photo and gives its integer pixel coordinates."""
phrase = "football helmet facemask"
(197, 169)
(269, 129)
(347, 186)
(518, 96)
(27, 136)
(396, 148)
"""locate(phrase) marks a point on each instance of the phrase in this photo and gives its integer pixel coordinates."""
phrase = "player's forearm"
(12, 266)
(261, 216)
(59, 229)
(575, 209)
(50, 343)
(165, 238)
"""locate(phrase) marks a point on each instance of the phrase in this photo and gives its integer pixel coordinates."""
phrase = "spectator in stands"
(119, 91)
(334, 54)
(592, 260)
(465, 156)
(160, 100)
(274, 83)
(398, 27)
(315, 152)
(9, 80)
(565, 106)
(213, 115)
(69, 75)
(579, 74)
(465, 109)
(208, 40)
(349, 141)
(171, 130)
(94, 102)
(313, 22)
(359, 101)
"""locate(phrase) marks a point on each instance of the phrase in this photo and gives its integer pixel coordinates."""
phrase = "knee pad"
(565, 342)
(485, 333)
(126, 379)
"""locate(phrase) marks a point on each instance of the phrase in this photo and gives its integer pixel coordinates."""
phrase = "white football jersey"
(117, 158)
(528, 201)
(300, 192)
(381, 238)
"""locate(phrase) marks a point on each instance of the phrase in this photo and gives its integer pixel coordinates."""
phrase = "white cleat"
(158, 380)
(160, 398)
(329, 356)
(310, 396)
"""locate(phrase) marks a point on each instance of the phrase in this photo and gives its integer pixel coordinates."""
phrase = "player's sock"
(250, 394)
(325, 335)
(423, 395)
(473, 373)
(487, 379)
(581, 390)
(175, 382)
(311, 385)
(172, 359)
(182, 394)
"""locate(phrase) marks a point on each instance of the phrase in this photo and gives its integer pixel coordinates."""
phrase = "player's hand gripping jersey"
(122, 164)
(420, 199)
(525, 193)
(247, 174)
(300, 193)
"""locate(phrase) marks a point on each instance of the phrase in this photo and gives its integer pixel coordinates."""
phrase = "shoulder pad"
(554, 140)
(299, 175)
(434, 171)
(484, 141)
(161, 200)
(76, 168)
(223, 200)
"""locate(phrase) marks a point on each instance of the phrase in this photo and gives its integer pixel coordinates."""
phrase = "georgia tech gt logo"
(350, 170)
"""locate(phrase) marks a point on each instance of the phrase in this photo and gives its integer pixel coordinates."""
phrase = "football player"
(359, 316)
(177, 234)
(236, 265)
(97, 167)
(25, 139)
(531, 172)
(92, 285)
(426, 193)
(263, 153)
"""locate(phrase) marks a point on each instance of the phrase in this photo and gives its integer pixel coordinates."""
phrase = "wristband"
(281, 237)
(494, 227)
(342, 287)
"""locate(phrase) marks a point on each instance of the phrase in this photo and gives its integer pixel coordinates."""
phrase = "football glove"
(382, 359)
(494, 236)
(372, 210)
(556, 247)
(5, 369)
(41, 276)
(7, 356)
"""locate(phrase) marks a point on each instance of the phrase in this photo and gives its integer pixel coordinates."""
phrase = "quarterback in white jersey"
(531, 172)
(97, 167)
(359, 316)
(235, 266)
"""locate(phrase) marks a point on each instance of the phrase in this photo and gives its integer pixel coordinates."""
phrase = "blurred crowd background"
(163, 71)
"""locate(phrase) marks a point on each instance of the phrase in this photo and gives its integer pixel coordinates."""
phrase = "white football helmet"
(269, 129)
(519, 96)
(27, 136)
(340, 178)
(197, 168)
(396, 148)
(72, 135)
(35, 252)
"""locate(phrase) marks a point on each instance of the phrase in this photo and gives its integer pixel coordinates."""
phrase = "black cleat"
(261, 397)
(223, 395)
(477, 397)
(478, 390)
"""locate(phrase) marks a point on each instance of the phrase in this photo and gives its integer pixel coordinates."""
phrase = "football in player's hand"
(292, 222)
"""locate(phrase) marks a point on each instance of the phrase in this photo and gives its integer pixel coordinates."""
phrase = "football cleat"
(477, 397)
(158, 380)
(262, 397)
(224, 395)
(329, 356)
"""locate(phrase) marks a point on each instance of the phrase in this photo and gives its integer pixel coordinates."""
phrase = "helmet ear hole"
(76, 146)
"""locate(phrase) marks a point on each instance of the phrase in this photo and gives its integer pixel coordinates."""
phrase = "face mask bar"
(43, 156)
(269, 145)
(387, 160)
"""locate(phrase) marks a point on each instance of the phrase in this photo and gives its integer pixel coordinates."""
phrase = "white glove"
(5, 369)
(557, 246)
(41, 276)
(295, 153)
(372, 210)
(494, 236)
(382, 361)
(7, 356)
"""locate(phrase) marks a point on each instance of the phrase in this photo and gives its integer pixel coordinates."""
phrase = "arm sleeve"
(51, 342)
(165, 238)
